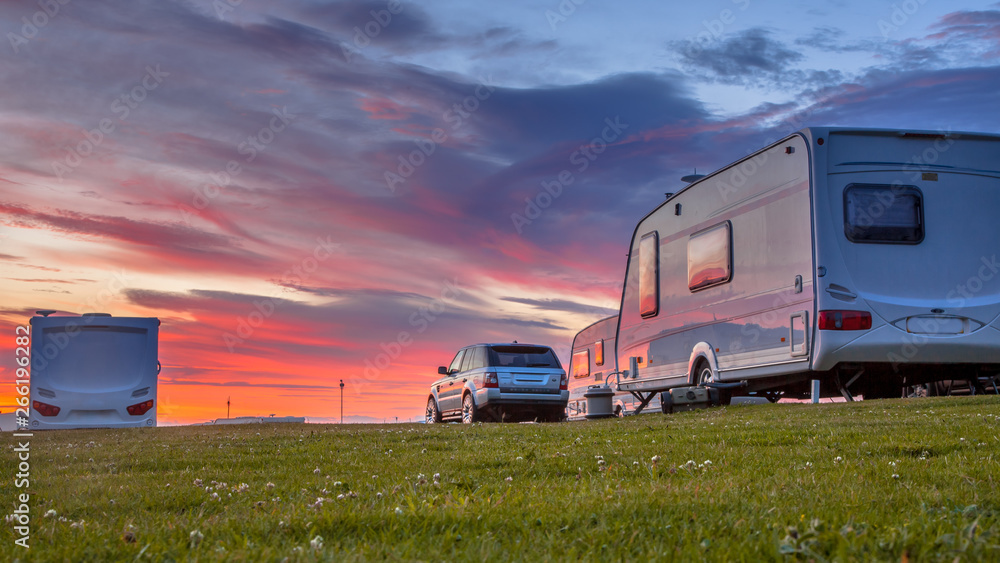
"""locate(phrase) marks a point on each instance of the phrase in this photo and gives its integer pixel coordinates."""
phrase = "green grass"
(879, 480)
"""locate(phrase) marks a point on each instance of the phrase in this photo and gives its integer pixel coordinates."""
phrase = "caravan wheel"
(706, 375)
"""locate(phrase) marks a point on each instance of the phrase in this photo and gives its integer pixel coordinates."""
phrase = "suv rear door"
(449, 391)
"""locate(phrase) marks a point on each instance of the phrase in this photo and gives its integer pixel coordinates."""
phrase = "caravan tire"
(706, 375)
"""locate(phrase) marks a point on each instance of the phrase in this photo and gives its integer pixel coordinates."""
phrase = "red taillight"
(44, 409)
(490, 380)
(140, 409)
(845, 320)
(564, 382)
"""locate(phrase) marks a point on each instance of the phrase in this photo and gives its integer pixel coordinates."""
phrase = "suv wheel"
(432, 415)
(469, 412)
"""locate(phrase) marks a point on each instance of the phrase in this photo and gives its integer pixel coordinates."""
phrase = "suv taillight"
(564, 382)
(140, 408)
(490, 380)
(45, 409)
(845, 320)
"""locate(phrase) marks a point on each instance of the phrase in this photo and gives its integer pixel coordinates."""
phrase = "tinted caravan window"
(710, 257)
(649, 275)
(581, 363)
(599, 352)
(879, 213)
(514, 355)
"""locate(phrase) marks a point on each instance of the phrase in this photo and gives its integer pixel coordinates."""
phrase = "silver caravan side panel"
(741, 326)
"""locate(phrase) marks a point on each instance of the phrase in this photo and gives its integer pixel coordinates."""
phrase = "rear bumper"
(494, 397)
(888, 344)
(93, 410)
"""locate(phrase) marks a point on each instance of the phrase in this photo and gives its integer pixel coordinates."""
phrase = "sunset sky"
(358, 174)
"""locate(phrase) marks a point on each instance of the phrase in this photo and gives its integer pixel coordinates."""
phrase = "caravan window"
(710, 257)
(599, 353)
(581, 363)
(879, 213)
(649, 275)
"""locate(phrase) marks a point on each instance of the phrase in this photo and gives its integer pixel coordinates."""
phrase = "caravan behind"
(593, 360)
(93, 371)
(866, 259)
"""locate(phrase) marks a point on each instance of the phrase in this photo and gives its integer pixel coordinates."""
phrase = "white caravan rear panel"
(93, 371)
(935, 301)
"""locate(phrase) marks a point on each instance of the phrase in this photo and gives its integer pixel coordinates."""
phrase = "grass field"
(891, 480)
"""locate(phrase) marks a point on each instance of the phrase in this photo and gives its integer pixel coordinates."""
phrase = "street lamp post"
(341, 401)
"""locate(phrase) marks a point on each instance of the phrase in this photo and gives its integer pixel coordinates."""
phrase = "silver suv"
(500, 382)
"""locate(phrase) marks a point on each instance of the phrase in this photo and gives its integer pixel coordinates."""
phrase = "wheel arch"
(702, 352)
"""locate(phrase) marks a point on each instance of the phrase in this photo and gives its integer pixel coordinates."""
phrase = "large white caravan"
(93, 371)
(865, 259)
(593, 360)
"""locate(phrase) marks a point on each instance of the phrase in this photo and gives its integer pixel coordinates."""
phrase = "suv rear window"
(523, 357)
(878, 213)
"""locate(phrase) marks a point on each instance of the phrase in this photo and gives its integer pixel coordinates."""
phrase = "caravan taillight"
(140, 408)
(845, 320)
(564, 382)
(490, 380)
(45, 409)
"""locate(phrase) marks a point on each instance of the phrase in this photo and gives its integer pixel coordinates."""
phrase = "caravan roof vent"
(45, 312)
(690, 178)
(96, 315)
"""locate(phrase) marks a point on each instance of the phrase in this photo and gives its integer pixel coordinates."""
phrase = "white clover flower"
(340, 496)
(656, 459)
(196, 537)
(707, 462)
(337, 483)
(215, 496)
(600, 462)
(197, 482)
(316, 471)
(519, 458)
(509, 479)
(316, 543)
(838, 459)
(50, 513)
(269, 485)
(895, 476)
(437, 476)
(399, 511)
(378, 495)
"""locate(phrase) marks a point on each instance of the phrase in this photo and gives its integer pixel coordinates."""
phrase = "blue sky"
(204, 152)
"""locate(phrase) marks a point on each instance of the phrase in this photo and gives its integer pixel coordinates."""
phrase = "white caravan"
(93, 371)
(865, 259)
(593, 360)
